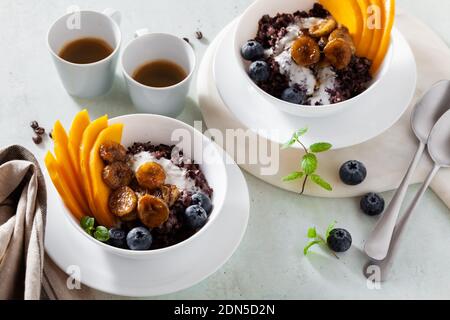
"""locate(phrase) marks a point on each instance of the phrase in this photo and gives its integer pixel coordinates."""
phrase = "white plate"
(137, 278)
(381, 108)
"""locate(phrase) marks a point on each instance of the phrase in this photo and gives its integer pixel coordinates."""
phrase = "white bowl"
(160, 129)
(247, 28)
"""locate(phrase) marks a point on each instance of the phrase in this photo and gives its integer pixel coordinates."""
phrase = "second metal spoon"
(439, 150)
(426, 113)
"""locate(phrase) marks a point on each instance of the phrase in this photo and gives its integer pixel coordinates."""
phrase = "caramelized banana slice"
(112, 151)
(342, 33)
(305, 51)
(339, 53)
(150, 175)
(152, 211)
(324, 28)
(174, 194)
(169, 193)
(117, 174)
(122, 203)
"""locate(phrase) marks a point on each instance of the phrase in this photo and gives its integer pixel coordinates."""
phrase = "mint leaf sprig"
(309, 162)
(87, 223)
(100, 233)
(316, 239)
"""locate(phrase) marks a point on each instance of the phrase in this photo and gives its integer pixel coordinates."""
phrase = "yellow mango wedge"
(370, 24)
(90, 134)
(386, 37)
(79, 124)
(100, 190)
(363, 48)
(62, 186)
(378, 20)
(66, 171)
(347, 13)
(358, 23)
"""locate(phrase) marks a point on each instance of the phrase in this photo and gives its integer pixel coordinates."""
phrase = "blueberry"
(259, 71)
(339, 240)
(117, 238)
(203, 200)
(293, 95)
(195, 216)
(353, 172)
(372, 204)
(139, 238)
(252, 50)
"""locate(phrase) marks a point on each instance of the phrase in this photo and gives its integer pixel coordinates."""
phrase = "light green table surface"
(269, 263)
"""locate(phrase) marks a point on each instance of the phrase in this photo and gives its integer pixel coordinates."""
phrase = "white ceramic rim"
(111, 56)
(217, 206)
(288, 105)
(185, 44)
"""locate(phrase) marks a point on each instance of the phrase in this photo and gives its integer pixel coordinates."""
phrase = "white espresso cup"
(90, 79)
(147, 47)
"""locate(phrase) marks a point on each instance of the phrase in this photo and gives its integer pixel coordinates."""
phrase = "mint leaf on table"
(310, 244)
(320, 147)
(312, 233)
(294, 138)
(330, 227)
(321, 182)
(293, 176)
(289, 143)
(309, 163)
(301, 132)
(101, 234)
(316, 238)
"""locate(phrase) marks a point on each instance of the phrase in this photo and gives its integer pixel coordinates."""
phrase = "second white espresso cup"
(147, 47)
(90, 79)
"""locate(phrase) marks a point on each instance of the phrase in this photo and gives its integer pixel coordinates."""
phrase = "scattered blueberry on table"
(372, 204)
(339, 240)
(353, 172)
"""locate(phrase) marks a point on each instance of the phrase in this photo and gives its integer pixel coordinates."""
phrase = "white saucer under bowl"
(378, 111)
(112, 273)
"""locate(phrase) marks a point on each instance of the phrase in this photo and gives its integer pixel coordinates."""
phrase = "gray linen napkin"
(23, 209)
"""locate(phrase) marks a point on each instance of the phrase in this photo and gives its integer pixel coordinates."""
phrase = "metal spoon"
(427, 111)
(439, 150)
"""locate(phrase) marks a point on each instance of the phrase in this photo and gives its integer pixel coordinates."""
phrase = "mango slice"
(100, 190)
(62, 186)
(386, 37)
(66, 170)
(87, 142)
(378, 20)
(370, 24)
(363, 48)
(348, 13)
(358, 23)
(79, 124)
